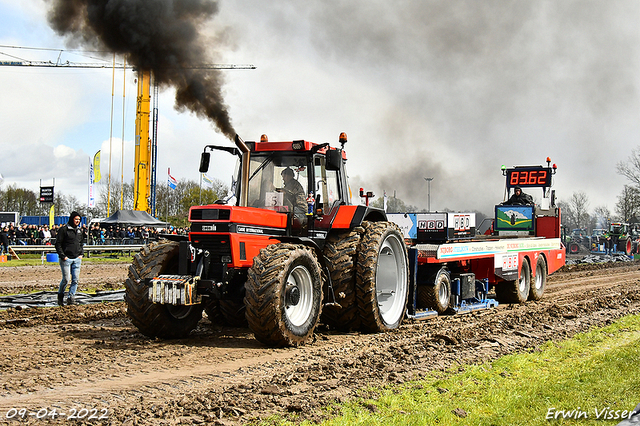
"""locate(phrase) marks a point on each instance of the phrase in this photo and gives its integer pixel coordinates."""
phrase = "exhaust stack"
(244, 180)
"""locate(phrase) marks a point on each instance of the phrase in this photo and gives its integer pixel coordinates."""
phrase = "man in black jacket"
(519, 198)
(4, 240)
(69, 248)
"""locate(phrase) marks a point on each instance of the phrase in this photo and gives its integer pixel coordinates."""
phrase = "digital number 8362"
(529, 177)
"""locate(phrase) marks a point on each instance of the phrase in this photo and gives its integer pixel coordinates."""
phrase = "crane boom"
(67, 64)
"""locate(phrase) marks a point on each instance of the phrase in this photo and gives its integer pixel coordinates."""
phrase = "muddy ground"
(91, 357)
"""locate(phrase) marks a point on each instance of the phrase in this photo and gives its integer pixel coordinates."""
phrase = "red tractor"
(290, 250)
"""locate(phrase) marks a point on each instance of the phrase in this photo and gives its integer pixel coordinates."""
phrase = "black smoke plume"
(158, 35)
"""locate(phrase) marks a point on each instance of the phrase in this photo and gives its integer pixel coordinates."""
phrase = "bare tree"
(115, 197)
(23, 201)
(575, 211)
(628, 203)
(631, 167)
(580, 205)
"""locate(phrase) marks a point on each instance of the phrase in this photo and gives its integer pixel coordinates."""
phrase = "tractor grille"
(217, 245)
(210, 214)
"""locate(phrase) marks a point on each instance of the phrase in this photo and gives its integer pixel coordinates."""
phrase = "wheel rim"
(539, 276)
(391, 278)
(522, 285)
(443, 291)
(298, 313)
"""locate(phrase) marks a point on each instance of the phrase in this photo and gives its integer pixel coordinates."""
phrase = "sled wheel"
(283, 295)
(382, 277)
(516, 291)
(154, 319)
(436, 297)
(340, 253)
(540, 280)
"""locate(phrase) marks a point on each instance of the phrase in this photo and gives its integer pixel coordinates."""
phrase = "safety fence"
(90, 241)
(47, 250)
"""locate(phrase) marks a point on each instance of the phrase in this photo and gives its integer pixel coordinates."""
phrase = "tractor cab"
(300, 180)
(519, 215)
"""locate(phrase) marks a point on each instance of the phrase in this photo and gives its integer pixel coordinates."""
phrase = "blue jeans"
(70, 268)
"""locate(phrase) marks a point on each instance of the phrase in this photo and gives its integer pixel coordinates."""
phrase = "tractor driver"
(294, 193)
(519, 198)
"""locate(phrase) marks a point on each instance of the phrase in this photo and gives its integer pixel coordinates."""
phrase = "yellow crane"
(145, 147)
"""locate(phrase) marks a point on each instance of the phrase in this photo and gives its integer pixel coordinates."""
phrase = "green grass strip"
(590, 379)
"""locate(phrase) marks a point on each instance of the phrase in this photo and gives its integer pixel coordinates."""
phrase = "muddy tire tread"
(263, 295)
(370, 318)
(429, 295)
(340, 251)
(152, 319)
(508, 292)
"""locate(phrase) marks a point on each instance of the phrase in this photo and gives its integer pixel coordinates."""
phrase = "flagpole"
(113, 79)
(124, 87)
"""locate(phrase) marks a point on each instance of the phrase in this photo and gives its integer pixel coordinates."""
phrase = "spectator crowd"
(98, 235)
(116, 234)
(30, 234)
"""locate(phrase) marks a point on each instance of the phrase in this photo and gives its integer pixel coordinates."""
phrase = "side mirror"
(204, 162)
(334, 159)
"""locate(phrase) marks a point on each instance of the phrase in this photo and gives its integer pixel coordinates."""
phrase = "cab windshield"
(278, 182)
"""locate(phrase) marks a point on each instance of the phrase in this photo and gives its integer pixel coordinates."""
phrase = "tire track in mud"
(224, 375)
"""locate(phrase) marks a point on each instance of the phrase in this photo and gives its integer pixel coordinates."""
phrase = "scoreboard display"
(529, 177)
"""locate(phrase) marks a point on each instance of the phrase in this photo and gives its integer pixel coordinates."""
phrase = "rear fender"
(349, 217)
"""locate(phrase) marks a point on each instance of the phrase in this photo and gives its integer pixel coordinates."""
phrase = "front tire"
(154, 319)
(283, 295)
(382, 278)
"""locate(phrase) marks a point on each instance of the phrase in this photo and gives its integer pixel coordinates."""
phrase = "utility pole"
(429, 179)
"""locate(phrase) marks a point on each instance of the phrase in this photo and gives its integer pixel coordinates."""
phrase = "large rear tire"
(436, 297)
(574, 248)
(540, 280)
(624, 245)
(340, 251)
(233, 312)
(283, 295)
(154, 319)
(516, 291)
(382, 278)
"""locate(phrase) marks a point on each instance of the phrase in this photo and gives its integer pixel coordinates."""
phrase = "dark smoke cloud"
(158, 35)
(497, 81)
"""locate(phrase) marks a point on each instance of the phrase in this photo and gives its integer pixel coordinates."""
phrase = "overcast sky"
(450, 90)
